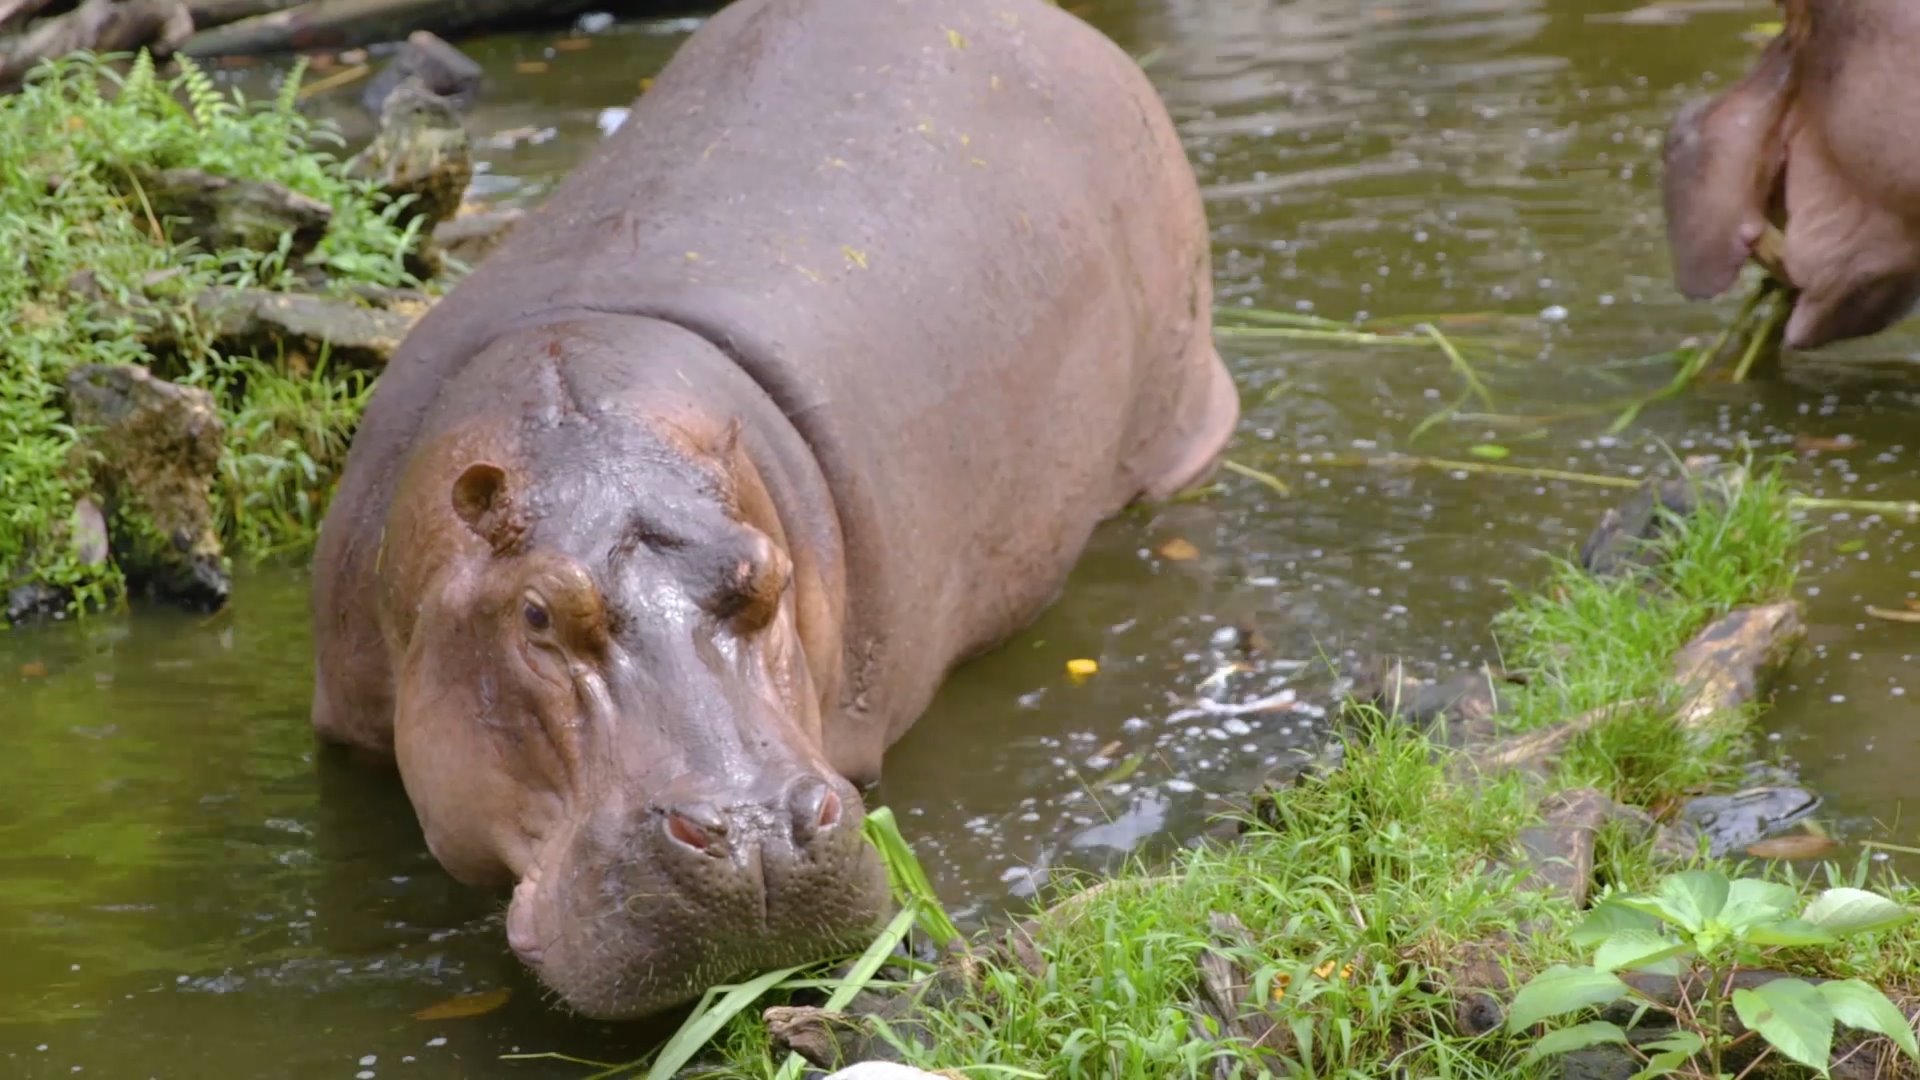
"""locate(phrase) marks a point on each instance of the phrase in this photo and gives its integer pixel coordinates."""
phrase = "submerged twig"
(1909, 507)
(1252, 473)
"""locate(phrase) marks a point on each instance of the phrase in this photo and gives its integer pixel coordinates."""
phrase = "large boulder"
(153, 448)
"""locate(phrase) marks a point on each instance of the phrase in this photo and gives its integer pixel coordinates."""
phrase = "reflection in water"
(188, 888)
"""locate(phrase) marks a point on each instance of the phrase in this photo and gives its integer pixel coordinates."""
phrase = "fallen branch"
(100, 26)
(17, 11)
(1908, 507)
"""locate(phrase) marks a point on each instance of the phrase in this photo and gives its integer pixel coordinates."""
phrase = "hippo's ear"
(480, 498)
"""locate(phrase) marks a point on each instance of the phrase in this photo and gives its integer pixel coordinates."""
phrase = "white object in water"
(612, 119)
(883, 1070)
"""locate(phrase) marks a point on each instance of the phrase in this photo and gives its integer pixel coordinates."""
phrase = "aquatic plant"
(1723, 926)
(90, 271)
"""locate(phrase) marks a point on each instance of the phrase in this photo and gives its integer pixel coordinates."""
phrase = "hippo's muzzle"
(645, 907)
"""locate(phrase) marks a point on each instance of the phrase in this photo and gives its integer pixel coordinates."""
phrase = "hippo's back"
(956, 241)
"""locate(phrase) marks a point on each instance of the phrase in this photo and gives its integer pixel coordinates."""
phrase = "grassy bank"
(91, 270)
(1357, 901)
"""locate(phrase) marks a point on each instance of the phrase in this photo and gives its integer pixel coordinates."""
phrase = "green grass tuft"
(74, 220)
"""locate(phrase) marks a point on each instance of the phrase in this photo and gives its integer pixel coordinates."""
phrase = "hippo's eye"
(536, 615)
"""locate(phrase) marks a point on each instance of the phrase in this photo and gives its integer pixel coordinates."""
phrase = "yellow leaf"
(1082, 670)
(1178, 550)
(459, 1008)
(956, 39)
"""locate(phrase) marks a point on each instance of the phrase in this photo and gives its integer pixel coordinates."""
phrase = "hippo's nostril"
(815, 808)
(699, 827)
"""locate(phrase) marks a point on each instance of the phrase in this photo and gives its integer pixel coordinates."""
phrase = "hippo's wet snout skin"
(808, 811)
(648, 913)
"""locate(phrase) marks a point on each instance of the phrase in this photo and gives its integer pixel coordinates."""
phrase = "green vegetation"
(1727, 925)
(90, 270)
(1358, 903)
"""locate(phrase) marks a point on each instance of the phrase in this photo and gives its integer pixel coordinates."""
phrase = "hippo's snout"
(807, 812)
(644, 909)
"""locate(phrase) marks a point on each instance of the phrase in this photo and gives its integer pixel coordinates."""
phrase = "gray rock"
(152, 449)
(441, 68)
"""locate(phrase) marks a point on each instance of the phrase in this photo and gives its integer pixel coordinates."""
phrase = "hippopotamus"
(810, 385)
(1808, 166)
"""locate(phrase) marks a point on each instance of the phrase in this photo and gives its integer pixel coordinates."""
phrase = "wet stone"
(1627, 534)
(1731, 822)
(153, 448)
(438, 66)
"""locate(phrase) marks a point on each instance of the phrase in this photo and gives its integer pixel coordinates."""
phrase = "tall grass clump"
(1586, 642)
(81, 251)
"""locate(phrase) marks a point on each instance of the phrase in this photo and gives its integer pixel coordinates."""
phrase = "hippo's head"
(605, 699)
(1803, 166)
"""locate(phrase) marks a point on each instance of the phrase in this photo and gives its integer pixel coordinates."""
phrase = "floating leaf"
(1178, 550)
(1489, 451)
(1794, 845)
(1633, 949)
(1123, 770)
(465, 1005)
(1082, 670)
(1793, 1016)
(1562, 989)
(1903, 615)
(531, 67)
(1858, 1005)
(1853, 911)
(1577, 1037)
(1851, 547)
(33, 669)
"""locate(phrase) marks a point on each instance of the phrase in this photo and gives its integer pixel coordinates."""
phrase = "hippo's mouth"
(619, 941)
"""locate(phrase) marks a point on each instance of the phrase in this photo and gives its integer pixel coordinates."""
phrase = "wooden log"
(208, 14)
(13, 12)
(221, 212)
(340, 24)
(351, 335)
(101, 26)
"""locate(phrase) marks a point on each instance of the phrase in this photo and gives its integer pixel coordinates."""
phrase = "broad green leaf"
(1751, 901)
(1859, 1005)
(1662, 1064)
(1681, 1041)
(1634, 949)
(1577, 1037)
(1609, 917)
(721, 1004)
(1789, 932)
(1852, 911)
(1793, 1016)
(1695, 896)
(1562, 989)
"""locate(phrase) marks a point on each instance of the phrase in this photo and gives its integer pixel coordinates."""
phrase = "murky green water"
(187, 889)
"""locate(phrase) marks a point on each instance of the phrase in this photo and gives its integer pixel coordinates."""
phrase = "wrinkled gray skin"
(1819, 135)
(673, 516)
